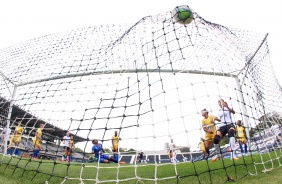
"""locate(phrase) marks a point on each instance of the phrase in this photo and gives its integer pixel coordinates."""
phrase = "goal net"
(149, 82)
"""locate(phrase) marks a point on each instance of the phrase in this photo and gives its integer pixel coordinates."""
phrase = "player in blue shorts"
(97, 150)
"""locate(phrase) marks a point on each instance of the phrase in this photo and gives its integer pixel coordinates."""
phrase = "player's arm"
(206, 129)
(236, 132)
(245, 133)
(102, 149)
(229, 108)
(216, 119)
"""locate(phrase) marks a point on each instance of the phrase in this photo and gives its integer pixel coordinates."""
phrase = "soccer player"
(17, 137)
(276, 131)
(66, 141)
(226, 126)
(201, 145)
(141, 154)
(97, 150)
(209, 129)
(115, 140)
(37, 141)
(72, 146)
(240, 132)
(5, 135)
(172, 154)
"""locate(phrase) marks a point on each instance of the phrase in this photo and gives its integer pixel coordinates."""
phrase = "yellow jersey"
(39, 132)
(18, 130)
(71, 144)
(209, 124)
(115, 140)
(240, 131)
(11, 140)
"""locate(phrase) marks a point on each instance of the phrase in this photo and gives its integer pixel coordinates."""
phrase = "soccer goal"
(148, 82)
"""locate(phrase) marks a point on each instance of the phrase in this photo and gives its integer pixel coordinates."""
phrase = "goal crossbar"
(127, 71)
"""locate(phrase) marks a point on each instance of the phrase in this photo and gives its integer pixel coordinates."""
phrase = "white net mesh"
(149, 83)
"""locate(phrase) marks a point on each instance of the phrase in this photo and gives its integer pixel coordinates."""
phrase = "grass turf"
(16, 170)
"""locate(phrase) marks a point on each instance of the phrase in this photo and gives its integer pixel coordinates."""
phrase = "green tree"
(185, 149)
(78, 150)
(131, 151)
(107, 150)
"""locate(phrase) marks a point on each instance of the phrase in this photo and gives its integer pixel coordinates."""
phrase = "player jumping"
(226, 126)
(209, 128)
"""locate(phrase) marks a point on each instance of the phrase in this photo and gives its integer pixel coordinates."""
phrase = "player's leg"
(231, 135)
(103, 160)
(208, 141)
(34, 141)
(171, 155)
(216, 140)
(70, 155)
(9, 151)
(17, 143)
(34, 155)
(111, 158)
(64, 154)
(246, 146)
(241, 145)
(67, 154)
(116, 157)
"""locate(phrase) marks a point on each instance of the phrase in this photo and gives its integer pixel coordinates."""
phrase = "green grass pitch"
(206, 172)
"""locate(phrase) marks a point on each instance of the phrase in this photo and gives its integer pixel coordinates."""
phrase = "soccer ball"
(183, 14)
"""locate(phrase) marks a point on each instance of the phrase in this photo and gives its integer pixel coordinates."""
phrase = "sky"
(23, 20)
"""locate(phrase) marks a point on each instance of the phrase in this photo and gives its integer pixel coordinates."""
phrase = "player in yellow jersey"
(241, 137)
(209, 128)
(17, 137)
(115, 140)
(72, 146)
(37, 141)
(201, 145)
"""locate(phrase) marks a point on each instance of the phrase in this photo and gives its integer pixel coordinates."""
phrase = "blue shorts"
(103, 157)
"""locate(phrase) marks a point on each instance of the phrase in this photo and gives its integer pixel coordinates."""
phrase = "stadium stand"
(52, 135)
